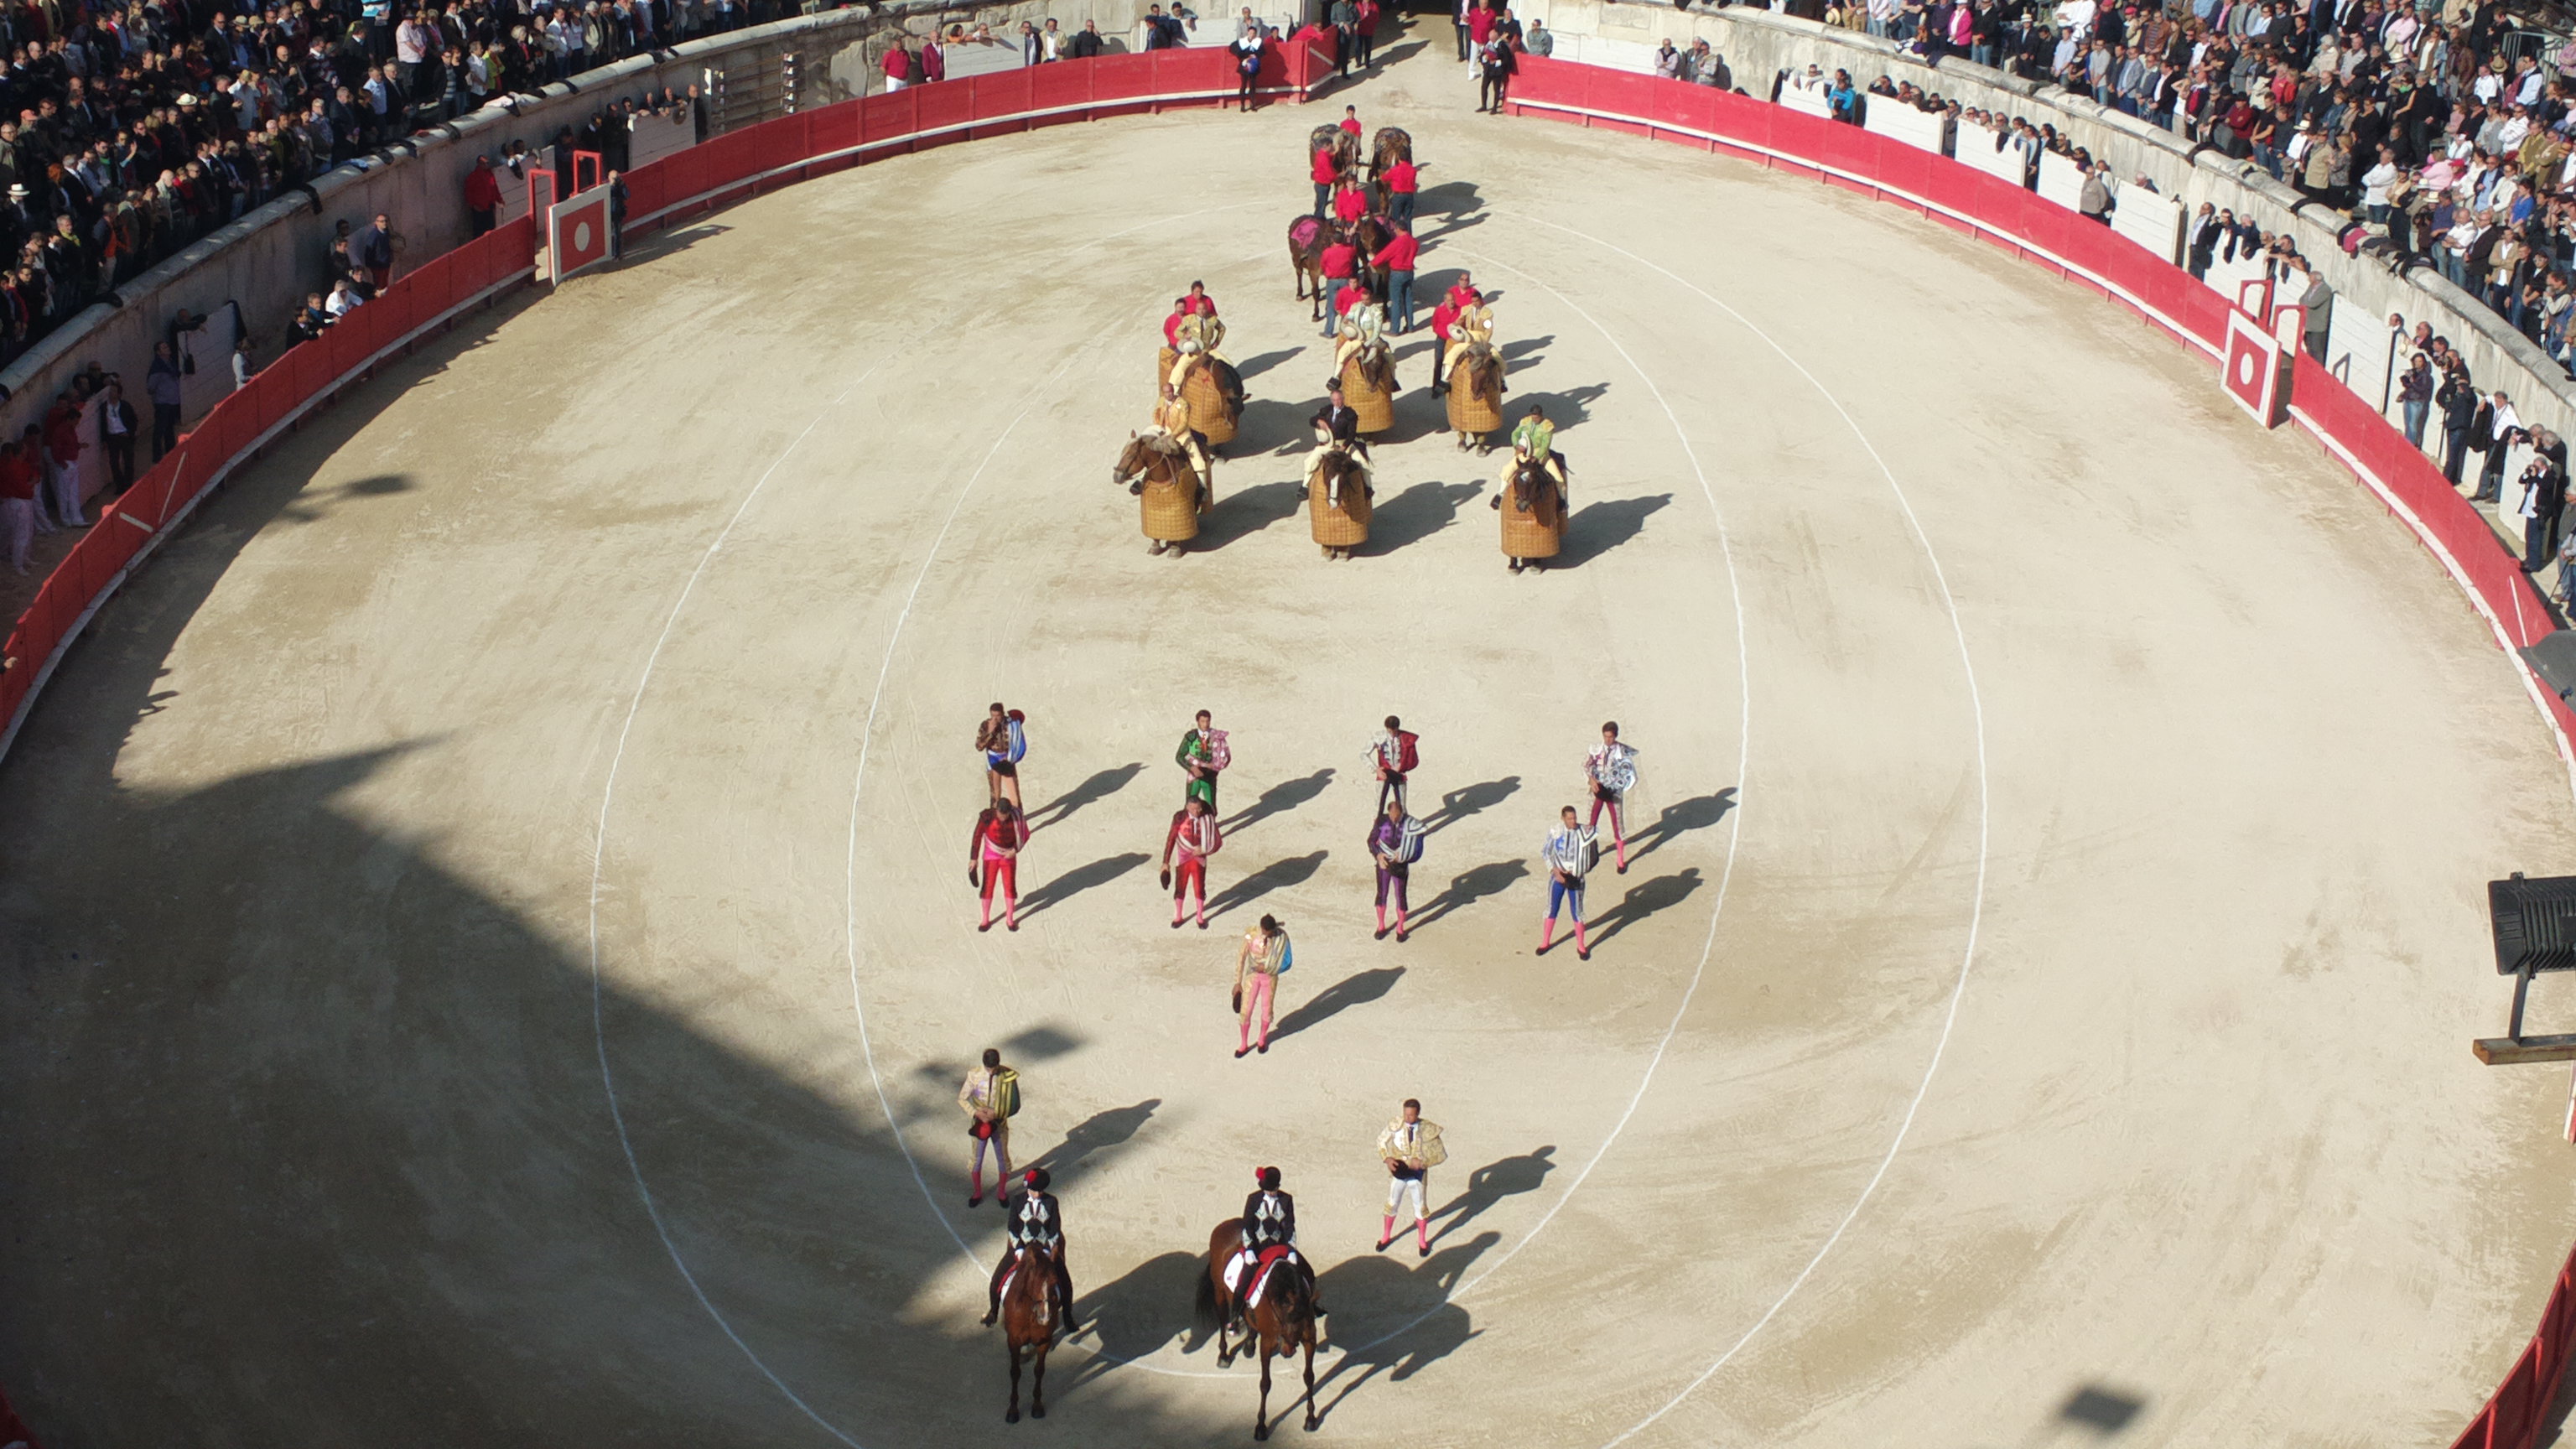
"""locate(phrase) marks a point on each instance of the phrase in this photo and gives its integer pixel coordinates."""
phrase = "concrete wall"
(1758, 44)
(272, 257)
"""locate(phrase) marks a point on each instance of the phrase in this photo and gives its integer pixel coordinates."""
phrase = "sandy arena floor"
(490, 964)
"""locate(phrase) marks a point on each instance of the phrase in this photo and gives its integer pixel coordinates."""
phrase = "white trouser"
(1397, 1187)
(66, 493)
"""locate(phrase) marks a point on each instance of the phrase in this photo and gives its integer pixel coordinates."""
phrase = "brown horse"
(1341, 502)
(1390, 145)
(1476, 383)
(1376, 363)
(1535, 493)
(1371, 233)
(1307, 239)
(1158, 471)
(1029, 1325)
(1533, 508)
(1283, 1321)
(1344, 146)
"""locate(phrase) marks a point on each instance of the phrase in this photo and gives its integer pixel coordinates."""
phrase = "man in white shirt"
(342, 300)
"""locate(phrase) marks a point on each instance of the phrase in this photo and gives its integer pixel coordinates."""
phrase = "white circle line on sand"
(599, 855)
(1977, 907)
(858, 781)
(598, 866)
(1726, 873)
(1735, 828)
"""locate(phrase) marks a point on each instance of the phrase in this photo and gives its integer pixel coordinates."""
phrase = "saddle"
(1304, 233)
(1271, 1258)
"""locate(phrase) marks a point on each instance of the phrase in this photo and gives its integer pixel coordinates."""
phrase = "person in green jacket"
(1201, 757)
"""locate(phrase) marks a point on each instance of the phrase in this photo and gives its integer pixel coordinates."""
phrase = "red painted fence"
(427, 299)
(788, 149)
(2095, 257)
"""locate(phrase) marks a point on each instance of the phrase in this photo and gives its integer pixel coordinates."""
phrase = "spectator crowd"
(2442, 133)
(127, 133)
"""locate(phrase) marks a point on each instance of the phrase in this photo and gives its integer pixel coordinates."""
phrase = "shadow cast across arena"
(325, 1148)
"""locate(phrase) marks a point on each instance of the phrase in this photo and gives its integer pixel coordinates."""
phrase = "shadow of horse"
(1465, 890)
(1643, 900)
(1565, 409)
(1682, 816)
(1450, 226)
(1249, 512)
(1256, 365)
(1418, 512)
(1597, 528)
(1284, 796)
(1101, 785)
(1271, 425)
(1277, 875)
(1491, 1183)
(1469, 800)
(1079, 879)
(1141, 1311)
(1097, 1133)
(1394, 1320)
(1523, 353)
(1357, 989)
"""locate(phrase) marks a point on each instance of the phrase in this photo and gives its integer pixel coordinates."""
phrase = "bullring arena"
(490, 964)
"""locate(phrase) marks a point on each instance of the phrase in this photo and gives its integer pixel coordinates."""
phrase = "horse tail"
(1205, 1306)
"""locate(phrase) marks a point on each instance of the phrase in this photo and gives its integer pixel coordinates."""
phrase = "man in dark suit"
(1337, 429)
(116, 425)
(2548, 497)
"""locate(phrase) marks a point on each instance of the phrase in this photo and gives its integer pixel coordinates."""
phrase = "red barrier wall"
(2090, 255)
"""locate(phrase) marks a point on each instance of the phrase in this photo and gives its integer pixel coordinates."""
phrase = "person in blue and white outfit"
(1569, 852)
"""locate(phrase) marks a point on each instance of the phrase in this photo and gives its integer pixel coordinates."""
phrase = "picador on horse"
(1034, 1222)
(1337, 434)
(1269, 1235)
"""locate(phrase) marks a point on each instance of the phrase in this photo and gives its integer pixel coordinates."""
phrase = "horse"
(1344, 146)
(1390, 145)
(1533, 509)
(1029, 1324)
(1339, 504)
(1307, 239)
(1476, 396)
(1157, 470)
(1283, 1322)
(1370, 234)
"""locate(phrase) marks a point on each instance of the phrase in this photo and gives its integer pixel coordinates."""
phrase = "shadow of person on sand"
(1357, 989)
(1391, 1319)
(1098, 1133)
(1277, 875)
(1079, 879)
(1679, 818)
(1468, 800)
(1285, 796)
(1101, 785)
(1490, 1184)
(1643, 899)
(1492, 878)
